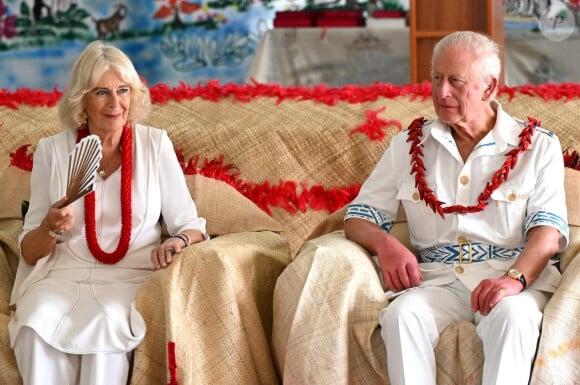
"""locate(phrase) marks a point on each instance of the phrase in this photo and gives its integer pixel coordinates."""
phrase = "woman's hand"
(59, 219)
(41, 241)
(162, 255)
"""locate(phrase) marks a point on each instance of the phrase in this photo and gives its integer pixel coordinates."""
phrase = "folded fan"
(83, 162)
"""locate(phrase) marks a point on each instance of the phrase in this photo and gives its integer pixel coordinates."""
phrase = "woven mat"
(24, 126)
(215, 303)
(9, 374)
(9, 230)
(326, 330)
(242, 130)
(558, 357)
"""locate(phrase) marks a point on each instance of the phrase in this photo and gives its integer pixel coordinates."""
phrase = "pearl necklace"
(90, 221)
(427, 195)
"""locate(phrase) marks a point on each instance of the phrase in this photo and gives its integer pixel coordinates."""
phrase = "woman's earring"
(84, 117)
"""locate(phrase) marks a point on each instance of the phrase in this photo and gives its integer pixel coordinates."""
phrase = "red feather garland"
(293, 196)
(572, 159)
(172, 363)
(214, 91)
(374, 126)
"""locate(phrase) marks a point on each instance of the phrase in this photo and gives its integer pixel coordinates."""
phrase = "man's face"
(457, 88)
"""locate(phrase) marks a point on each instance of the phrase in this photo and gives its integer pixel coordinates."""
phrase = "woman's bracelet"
(50, 232)
(184, 237)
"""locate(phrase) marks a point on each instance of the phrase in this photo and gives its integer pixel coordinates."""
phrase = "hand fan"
(83, 162)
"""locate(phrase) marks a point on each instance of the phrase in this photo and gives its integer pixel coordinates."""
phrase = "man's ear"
(491, 89)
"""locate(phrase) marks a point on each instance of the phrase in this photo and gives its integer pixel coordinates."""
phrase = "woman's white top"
(74, 302)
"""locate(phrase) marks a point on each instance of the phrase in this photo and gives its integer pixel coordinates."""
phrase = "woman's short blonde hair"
(96, 59)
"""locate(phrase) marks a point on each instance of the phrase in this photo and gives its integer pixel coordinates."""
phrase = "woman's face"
(107, 105)
(457, 91)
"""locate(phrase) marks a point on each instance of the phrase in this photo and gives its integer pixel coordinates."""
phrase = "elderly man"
(483, 195)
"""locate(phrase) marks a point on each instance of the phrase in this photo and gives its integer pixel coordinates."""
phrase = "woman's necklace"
(90, 222)
(428, 196)
(110, 165)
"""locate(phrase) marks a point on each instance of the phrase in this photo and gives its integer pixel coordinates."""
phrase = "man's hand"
(400, 267)
(398, 264)
(490, 292)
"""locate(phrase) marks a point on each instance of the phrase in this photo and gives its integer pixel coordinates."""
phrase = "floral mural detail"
(7, 23)
(192, 52)
(170, 41)
(174, 8)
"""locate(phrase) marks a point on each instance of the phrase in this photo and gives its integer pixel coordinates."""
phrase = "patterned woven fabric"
(467, 252)
(558, 357)
(214, 302)
(9, 230)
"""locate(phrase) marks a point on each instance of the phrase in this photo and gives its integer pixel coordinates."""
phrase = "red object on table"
(320, 18)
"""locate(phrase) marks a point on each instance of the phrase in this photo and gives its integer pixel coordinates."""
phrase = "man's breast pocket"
(421, 219)
(510, 204)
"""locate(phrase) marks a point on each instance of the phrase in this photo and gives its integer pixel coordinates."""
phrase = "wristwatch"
(517, 275)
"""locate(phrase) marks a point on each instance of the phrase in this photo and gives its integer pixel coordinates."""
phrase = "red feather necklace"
(90, 221)
(428, 196)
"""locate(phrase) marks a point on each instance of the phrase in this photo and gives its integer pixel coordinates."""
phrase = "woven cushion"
(573, 205)
(15, 188)
(225, 209)
(573, 196)
(335, 222)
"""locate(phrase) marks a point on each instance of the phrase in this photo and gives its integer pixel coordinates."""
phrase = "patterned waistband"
(467, 252)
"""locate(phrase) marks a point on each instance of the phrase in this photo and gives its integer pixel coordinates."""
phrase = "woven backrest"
(301, 157)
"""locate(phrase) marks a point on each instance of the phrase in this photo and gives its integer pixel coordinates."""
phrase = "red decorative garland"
(572, 159)
(374, 125)
(22, 158)
(428, 196)
(90, 221)
(172, 363)
(162, 93)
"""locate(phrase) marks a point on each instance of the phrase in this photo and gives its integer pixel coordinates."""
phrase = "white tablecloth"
(340, 56)
(332, 56)
(532, 58)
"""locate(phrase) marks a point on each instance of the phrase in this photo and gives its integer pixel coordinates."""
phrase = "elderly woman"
(74, 318)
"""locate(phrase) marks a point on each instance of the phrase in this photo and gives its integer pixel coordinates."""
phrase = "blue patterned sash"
(467, 252)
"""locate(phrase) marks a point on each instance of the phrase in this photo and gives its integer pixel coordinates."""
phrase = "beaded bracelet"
(186, 237)
(183, 237)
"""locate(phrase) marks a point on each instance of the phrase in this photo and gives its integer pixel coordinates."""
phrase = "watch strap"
(520, 277)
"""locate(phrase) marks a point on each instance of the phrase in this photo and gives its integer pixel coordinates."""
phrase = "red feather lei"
(428, 196)
(90, 221)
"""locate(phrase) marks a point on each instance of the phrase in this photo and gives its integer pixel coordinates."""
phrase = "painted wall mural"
(170, 41)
